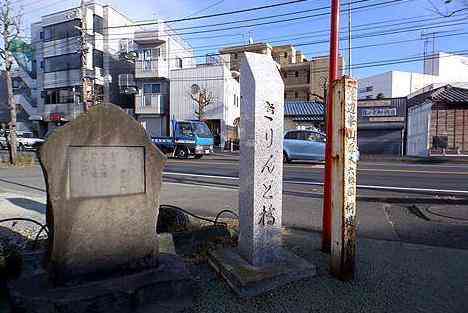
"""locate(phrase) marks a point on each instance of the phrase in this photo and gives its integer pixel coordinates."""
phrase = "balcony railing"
(151, 68)
(150, 104)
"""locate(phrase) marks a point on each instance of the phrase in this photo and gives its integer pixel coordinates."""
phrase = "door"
(314, 146)
(291, 144)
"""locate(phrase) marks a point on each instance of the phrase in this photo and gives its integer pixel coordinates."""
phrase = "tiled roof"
(447, 94)
(303, 108)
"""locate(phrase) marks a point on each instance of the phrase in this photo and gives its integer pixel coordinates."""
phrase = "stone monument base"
(167, 288)
(248, 281)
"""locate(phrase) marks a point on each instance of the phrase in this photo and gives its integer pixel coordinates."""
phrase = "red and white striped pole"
(332, 76)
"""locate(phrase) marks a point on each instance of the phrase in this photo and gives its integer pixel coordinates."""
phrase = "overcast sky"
(304, 31)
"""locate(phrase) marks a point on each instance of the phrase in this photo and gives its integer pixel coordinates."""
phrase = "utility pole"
(332, 76)
(350, 3)
(84, 51)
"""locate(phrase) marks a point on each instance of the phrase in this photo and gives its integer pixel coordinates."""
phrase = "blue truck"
(189, 138)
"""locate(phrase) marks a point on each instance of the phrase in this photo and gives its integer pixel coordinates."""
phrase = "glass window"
(62, 30)
(201, 130)
(98, 24)
(62, 95)
(185, 129)
(294, 135)
(313, 136)
(98, 58)
(179, 63)
(151, 88)
(296, 73)
(285, 54)
(62, 62)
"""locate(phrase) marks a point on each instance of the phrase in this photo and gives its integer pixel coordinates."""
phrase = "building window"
(285, 54)
(63, 62)
(55, 96)
(152, 88)
(62, 30)
(98, 58)
(296, 94)
(235, 56)
(179, 63)
(296, 73)
(370, 88)
(41, 35)
(98, 24)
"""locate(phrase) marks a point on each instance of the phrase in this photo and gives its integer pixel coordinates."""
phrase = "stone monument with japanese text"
(260, 263)
(103, 177)
(261, 146)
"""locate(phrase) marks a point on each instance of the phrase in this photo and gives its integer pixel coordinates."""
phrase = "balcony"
(150, 104)
(151, 68)
(62, 79)
(150, 37)
(127, 84)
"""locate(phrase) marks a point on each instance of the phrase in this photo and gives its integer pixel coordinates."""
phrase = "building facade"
(381, 126)
(222, 113)
(438, 122)
(158, 50)
(304, 80)
(440, 69)
(50, 73)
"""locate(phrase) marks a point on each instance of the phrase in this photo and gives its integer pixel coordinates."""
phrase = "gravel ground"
(390, 277)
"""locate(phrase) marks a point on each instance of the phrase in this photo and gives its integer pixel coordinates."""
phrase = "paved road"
(208, 185)
(448, 179)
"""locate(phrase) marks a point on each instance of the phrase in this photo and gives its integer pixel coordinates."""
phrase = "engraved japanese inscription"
(106, 171)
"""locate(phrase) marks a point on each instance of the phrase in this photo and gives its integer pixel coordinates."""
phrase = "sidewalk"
(392, 276)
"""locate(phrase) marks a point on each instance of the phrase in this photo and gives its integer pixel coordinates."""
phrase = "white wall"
(453, 68)
(419, 125)
(216, 79)
(449, 69)
(381, 83)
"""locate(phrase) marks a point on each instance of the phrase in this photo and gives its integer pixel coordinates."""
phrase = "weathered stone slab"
(103, 177)
(167, 286)
(261, 159)
(248, 280)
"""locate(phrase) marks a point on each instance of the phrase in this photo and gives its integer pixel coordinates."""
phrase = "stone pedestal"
(167, 287)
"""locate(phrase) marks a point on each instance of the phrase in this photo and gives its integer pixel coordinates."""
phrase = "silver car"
(303, 145)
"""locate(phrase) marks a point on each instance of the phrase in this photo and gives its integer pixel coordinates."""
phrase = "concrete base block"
(167, 287)
(248, 281)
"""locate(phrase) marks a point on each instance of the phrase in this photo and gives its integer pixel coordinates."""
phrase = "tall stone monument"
(261, 159)
(260, 263)
(103, 177)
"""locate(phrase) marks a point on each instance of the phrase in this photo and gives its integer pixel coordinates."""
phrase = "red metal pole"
(332, 76)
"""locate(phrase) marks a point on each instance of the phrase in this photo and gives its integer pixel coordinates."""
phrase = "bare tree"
(203, 98)
(10, 22)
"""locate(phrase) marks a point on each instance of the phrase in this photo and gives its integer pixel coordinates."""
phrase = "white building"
(223, 113)
(442, 69)
(48, 79)
(159, 50)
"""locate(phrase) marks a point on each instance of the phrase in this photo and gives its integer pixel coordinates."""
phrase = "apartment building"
(49, 73)
(304, 80)
(158, 50)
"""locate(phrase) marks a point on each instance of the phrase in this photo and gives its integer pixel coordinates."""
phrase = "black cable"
(21, 219)
(44, 227)
(189, 213)
(225, 211)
